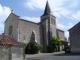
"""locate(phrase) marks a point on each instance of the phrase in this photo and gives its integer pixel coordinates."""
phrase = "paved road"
(54, 56)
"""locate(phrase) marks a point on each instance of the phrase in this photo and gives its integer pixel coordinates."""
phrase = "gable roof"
(10, 15)
(29, 21)
(74, 26)
(8, 40)
(20, 18)
(60, 30)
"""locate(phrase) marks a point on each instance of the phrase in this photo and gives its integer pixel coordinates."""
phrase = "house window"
(10, 30)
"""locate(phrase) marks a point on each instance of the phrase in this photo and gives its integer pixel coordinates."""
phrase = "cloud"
(32, 4)
(74, 3)
(60, 26)
(76, 16)
(63, 26)
(40, 4)
(67, 34)
(60, 8)
(4, 13)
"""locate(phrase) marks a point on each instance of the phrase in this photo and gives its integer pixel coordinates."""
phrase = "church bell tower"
(48, 27)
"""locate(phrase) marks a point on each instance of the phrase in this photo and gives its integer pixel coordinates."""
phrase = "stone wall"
(74, 42)
(53, 25)
(48, 30)
(17, 53)
(5, 52)
(60, 34)
(12, 20)
(74, 34)
(25, 31)
(11, 53)
(44, 34)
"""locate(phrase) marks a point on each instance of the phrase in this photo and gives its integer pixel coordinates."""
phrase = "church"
(42, 32)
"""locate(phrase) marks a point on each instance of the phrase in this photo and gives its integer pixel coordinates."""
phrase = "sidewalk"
(41, 54)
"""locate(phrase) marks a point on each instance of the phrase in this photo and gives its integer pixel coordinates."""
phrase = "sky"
(67, 12)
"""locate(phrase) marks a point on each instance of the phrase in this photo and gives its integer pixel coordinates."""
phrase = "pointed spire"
(47, 9)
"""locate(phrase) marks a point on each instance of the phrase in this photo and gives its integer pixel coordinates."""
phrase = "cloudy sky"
(67, 12)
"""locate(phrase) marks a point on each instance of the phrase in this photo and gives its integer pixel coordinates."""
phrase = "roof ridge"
(29, 21)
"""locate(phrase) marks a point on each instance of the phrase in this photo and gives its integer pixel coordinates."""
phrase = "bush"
(32, 48)
(24, 44)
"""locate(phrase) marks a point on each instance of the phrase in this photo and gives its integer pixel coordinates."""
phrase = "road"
(53, 56)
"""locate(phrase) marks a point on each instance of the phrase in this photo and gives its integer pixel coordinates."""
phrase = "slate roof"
(8, 40)
(60, 30)
(28, 21)
(47, 9)
(74, 26)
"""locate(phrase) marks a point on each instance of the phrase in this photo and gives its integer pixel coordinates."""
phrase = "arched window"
(10, 30)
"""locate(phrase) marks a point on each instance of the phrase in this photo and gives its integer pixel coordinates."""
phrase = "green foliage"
(23, 43)
(32, 48)
(56, 41)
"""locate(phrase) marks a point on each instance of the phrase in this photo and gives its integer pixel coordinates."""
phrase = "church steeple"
(47, 10)
(48, 26)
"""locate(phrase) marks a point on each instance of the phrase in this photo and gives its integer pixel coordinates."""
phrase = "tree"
(55, 41)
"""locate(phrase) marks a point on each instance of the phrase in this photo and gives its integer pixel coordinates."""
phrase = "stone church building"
(26, 31)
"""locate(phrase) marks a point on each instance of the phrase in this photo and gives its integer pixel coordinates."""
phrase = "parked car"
(67, 49)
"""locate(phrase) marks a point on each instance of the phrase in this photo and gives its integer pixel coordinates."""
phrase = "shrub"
(33, 48)
(23, 43)
(28, 49)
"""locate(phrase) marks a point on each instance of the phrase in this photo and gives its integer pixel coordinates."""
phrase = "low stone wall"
(4, 52)
(17, 53)
(11, 52)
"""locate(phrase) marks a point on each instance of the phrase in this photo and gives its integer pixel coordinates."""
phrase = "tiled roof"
(8, 40)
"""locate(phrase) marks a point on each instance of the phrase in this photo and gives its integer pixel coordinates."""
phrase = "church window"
(52, 21)
(10, 30)
(24, 38)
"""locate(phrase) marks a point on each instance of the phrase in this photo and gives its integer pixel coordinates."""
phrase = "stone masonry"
(21, 30)
(74, 36)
